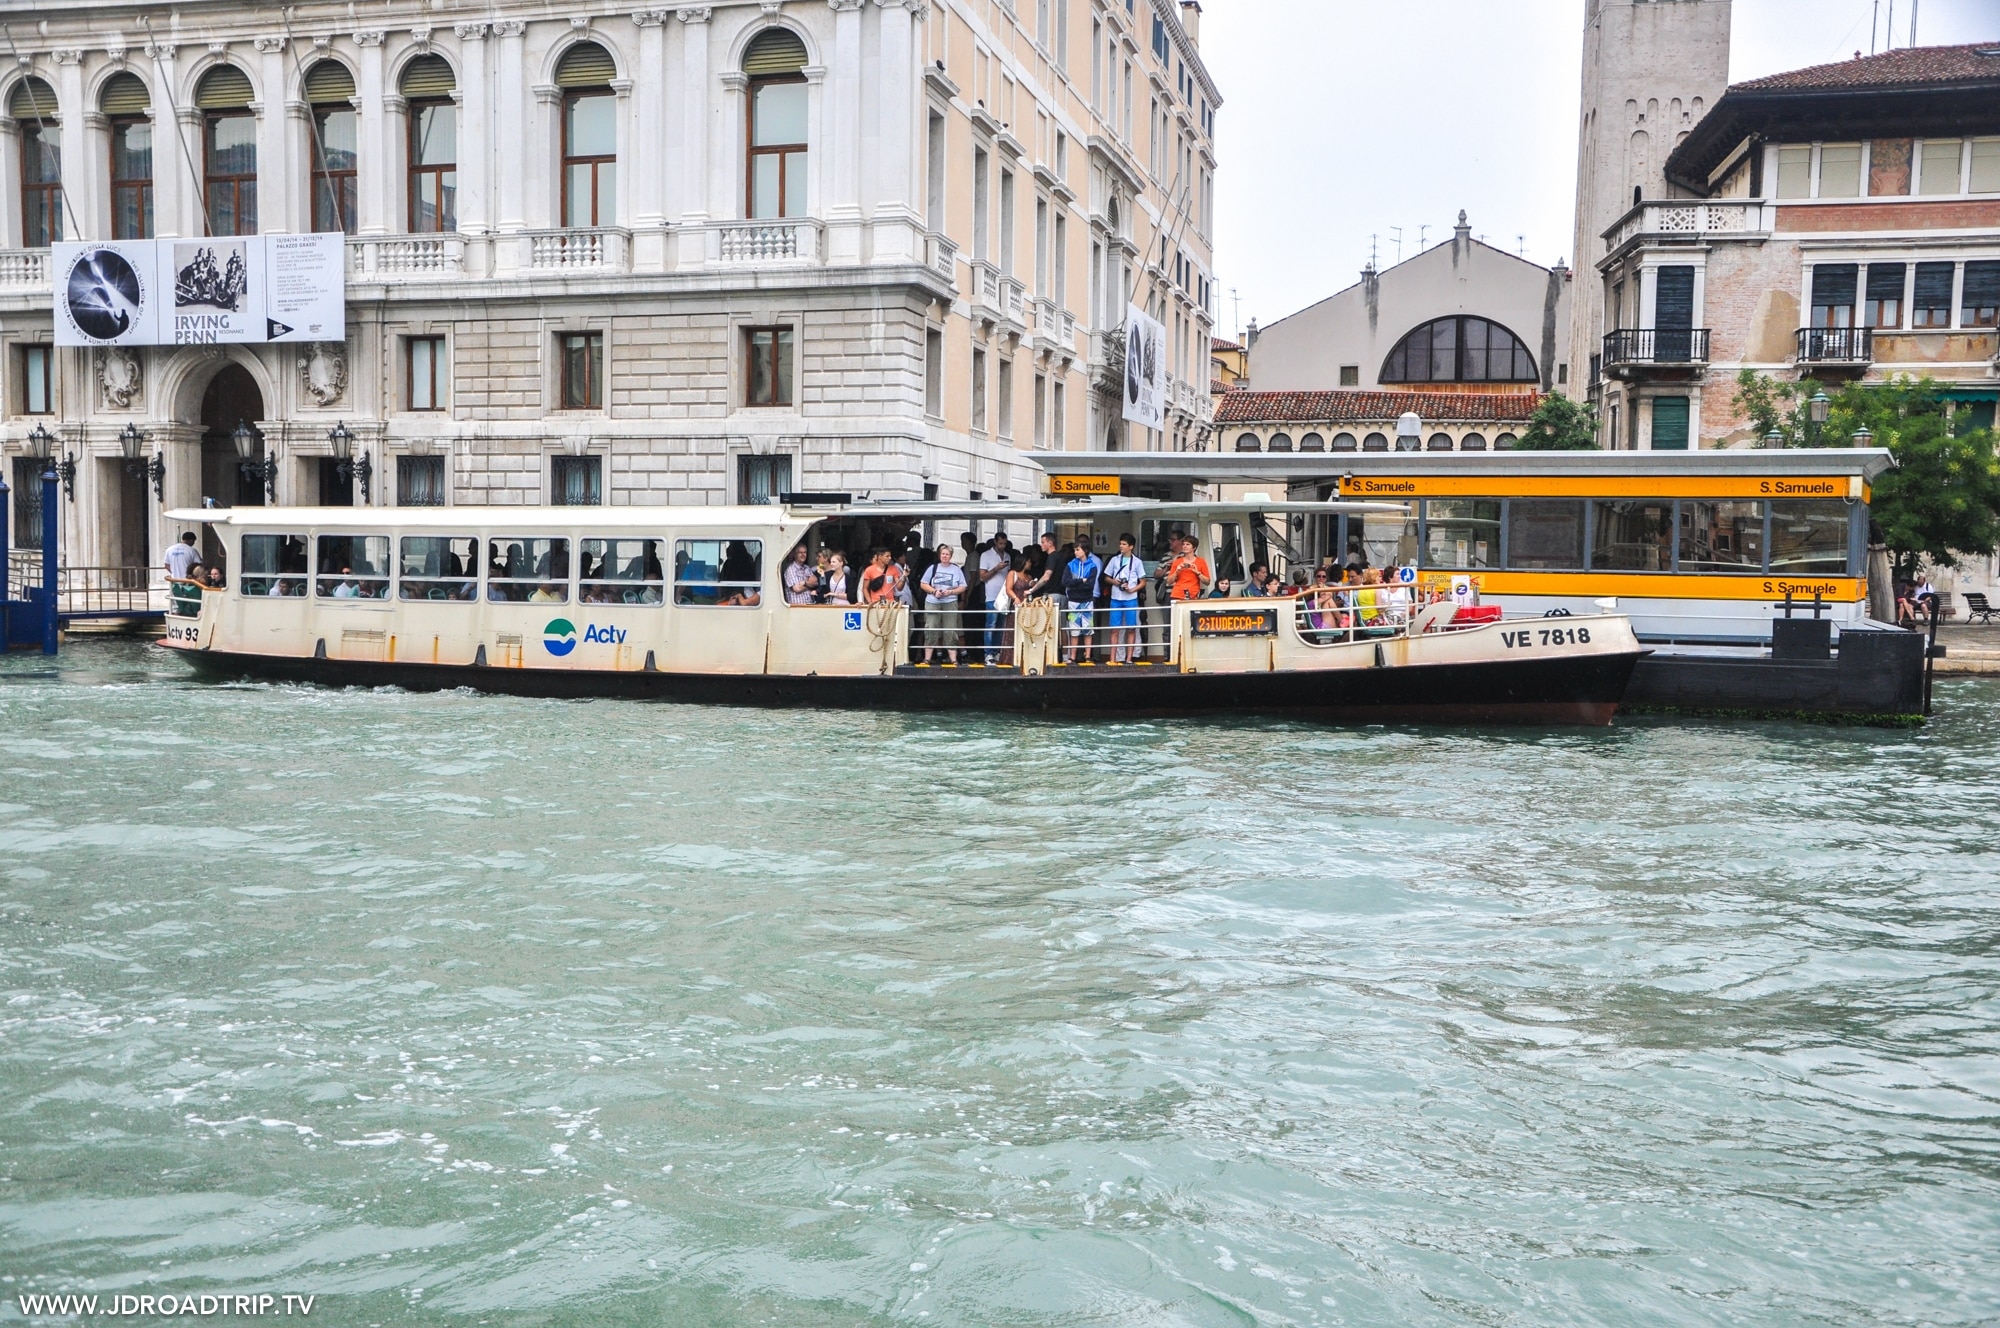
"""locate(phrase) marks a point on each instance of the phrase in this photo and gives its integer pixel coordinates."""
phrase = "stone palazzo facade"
(686, 254)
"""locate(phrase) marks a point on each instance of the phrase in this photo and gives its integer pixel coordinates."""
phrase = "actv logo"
(559, 637)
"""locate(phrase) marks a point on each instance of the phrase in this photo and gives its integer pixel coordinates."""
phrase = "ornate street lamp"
(132, 442)
(42, 447)
(1818, 407)
(1864, 437)
(246, 438)
(360, 470)
(1775, 438)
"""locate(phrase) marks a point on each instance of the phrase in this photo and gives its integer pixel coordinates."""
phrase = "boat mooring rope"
(881, 623)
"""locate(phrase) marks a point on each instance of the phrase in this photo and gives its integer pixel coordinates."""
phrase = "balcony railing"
(997, 298)
(941, 257)
(1655, 345)
(1676, 219)
(766, 242)
(1836, 345)
(598, 248)
(405, 255)
(23, 268)
(1055, 327)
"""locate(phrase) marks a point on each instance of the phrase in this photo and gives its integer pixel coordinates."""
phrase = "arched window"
(1247, 442)
(1375, 442)
(1440, 442)
(1472, 442)
(33, 107)
(1343, 442)
(1281, 442)
(1312, 442)
(1505, 442)
(775, 63)
(427, 85)
(125, 103)
(589, 136)
(1459, 350)
(228, 151)
(336, 142)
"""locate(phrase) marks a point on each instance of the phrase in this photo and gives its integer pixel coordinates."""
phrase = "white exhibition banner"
(1145, 369)
(204, 291)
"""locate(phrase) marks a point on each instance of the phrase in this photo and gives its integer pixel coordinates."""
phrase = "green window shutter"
(428, 76)
(586, 65)
(778, 51)
(32, 99)
(329, 81)
(125, 95)
(1670, 424)
(223, 88)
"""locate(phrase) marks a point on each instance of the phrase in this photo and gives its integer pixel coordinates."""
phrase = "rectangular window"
(1795, 171)
(934, 161)
(441, 567)
(1059, 292)
(230, 172)
(1980, 300)
(763, 478)
(1097, 65)
(527, 571)
(41, 183)
(1833, 294)
(1381, 538)
(131, 178)
(1985, 166)
(1930, 296)
(933, 372)
(353, 567)
(1350, 375)
(768, 381)
(1041, 412)
(1042, 246)
(1003, 388)
(1840, 170)
(1462, 532)
(1007, 223)
(582, 370)
(1670, 424)
(335, 489)
(426, 369)
(273, 565)
(729, 573)
(1722, 536)
(1632, 535)
(981, 205)
(978, 390)
(27, 500)
(576, 481)
(1809, 538)
(778, 147)
(1062, 35)
(1884, 304)
(420, 481)
(1058, 415)
(336, 145)
(1042, 22)
(433, 158)
(590, 159)
(1938, 166)
(1545, 534)
(621, 571)
(38, 381)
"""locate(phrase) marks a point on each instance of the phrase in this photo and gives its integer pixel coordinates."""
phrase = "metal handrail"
(1853, 345)
(1656, 345)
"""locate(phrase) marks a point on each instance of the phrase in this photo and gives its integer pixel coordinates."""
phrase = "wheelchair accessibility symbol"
(851, 620)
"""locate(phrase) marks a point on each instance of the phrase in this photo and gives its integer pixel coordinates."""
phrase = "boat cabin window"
(439, 567)
(1225, 551)
(1722, 536)
(1382, 539)
(728, 573)
(520, 570)
(1809, 538)
(1632, 535)
(273, 565)
(621, 571)
(353, 567)
(1545, 534)
(1157, 539)
(1462, 533)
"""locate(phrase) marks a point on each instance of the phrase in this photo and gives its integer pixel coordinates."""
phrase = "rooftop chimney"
(1191, 20)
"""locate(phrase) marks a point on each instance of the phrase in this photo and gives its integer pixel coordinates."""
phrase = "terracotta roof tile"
(1355, 407)
(1915, 66)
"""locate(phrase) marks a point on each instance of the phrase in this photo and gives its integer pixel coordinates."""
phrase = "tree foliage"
(1940, 503)
(1559, 424)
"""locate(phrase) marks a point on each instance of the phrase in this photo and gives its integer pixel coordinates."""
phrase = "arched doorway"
(232, 397)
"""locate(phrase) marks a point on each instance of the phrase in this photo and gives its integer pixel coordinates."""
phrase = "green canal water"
(454, 1009)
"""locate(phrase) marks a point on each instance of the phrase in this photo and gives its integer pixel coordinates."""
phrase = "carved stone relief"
(120, 375)
(323, 371)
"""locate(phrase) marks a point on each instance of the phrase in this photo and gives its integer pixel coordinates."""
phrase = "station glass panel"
(1632, 535)
(1545, 534)
(719, 572)
(441, 567)
(621, 571)
(1382, 539)
(1809, 538)
(1462, 532)
(273, 565)
(520, 570)
(1722, 536)
(353, 567)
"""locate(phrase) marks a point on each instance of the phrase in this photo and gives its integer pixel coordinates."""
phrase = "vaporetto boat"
(690, 604)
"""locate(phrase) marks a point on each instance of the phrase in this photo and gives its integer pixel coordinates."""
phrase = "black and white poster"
(201, 291)
(1145, 369)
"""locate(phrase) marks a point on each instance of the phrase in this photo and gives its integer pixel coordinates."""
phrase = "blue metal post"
(49, 514)
(6, 564)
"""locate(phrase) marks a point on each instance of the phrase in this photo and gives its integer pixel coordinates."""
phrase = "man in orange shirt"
(1187, 576)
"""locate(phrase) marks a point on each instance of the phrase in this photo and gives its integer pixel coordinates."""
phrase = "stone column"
(173, 189)
(279, 195)
(10, 169)
(373, 195)
(840, 147)
(692, 186)
(510, 105)
(80, 167)
(475, 142)
(897, 235)
(194, 208)
(646, 189)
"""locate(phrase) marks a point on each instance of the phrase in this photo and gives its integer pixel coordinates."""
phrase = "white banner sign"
(193, 292)
(1145, 369)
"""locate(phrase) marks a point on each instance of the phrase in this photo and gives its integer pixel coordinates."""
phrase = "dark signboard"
(1234, 622)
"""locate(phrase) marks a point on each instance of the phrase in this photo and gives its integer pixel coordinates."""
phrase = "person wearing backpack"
(1079, 583)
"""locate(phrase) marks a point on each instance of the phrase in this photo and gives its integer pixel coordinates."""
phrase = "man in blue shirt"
(1079, 582)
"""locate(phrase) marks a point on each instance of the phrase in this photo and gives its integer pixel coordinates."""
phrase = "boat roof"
(749, 519)
(1281, 468)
